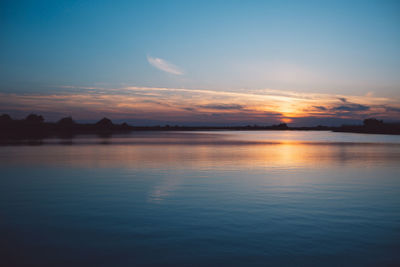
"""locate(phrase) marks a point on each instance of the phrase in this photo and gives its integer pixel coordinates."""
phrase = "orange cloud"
(191, 105)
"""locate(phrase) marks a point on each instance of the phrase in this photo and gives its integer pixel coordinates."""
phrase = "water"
(202, 199)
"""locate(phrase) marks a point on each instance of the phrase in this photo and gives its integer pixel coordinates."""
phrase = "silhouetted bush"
(372, 123)
(282, 126)
(33, 118)
(104, 123)
(5, 118)
(67, 121)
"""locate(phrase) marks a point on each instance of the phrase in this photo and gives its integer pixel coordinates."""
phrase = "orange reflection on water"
(283, 154)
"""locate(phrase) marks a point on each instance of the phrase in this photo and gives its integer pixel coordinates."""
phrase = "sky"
(201, 62)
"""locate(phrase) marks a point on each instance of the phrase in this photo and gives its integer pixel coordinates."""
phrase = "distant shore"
(34, 127)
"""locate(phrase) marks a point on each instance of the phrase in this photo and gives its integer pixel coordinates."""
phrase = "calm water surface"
(202, 199)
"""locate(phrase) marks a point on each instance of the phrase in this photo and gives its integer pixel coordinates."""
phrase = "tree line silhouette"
(371, 125)
(34, 126)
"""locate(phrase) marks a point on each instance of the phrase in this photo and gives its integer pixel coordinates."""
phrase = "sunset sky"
(201, 62)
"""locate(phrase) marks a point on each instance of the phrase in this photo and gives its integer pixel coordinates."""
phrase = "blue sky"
(316, 47)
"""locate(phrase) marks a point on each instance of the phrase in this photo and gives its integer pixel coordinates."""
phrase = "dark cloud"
(344, 107)
(189, 109)
(153, 102)
(351, 107)
(320, 107)
(392, 109)
(344, 100)
(223, 106)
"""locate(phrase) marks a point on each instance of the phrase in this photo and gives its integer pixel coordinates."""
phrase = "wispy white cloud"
(163, 65)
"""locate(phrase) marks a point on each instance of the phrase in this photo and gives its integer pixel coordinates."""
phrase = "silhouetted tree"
(282, 126)
(104, 122)
(372, 123)
(33, 118)
(5, 118)
(67, 121)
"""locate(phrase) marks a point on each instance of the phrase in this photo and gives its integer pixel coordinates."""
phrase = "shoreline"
(34, 127)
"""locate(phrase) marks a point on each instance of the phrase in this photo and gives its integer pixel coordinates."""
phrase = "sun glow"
(200, 106)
